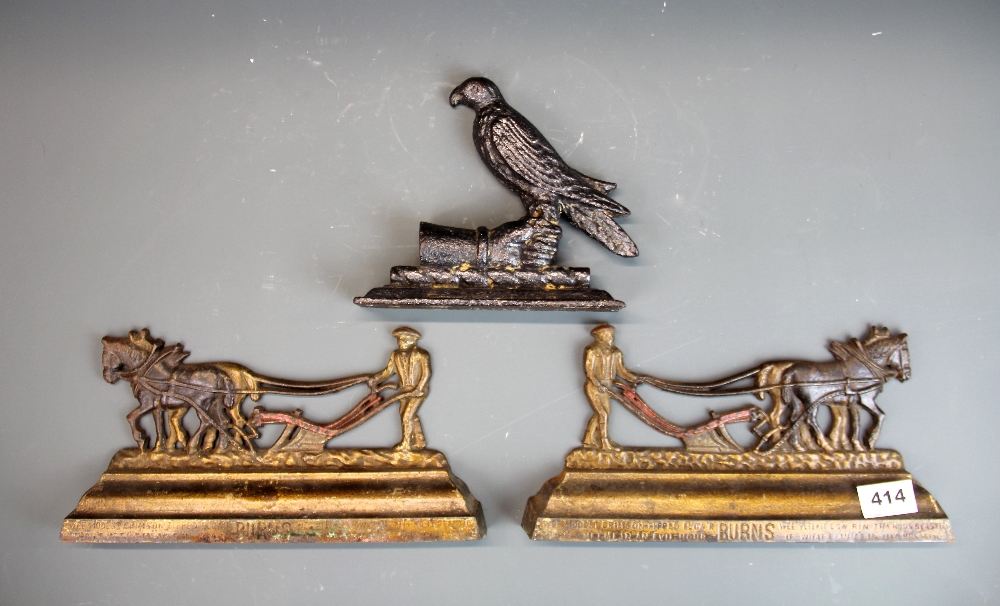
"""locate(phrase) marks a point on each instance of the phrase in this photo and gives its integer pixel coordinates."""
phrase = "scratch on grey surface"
(671, 350)
(520, 418)
(351, 247)
(381, 101)
(703, 131)
(392, 125)
(618, 91)
(343, 113)
(578, 142)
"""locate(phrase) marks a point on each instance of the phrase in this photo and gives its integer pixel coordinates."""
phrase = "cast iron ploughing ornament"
(508, 267)
(220, 485)
(800, 482)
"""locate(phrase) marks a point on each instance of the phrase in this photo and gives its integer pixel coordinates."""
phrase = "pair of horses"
(164, 385)
(847, 384)
(798, 390)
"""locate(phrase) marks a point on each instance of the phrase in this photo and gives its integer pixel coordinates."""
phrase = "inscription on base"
(354, 530)
(744, 531)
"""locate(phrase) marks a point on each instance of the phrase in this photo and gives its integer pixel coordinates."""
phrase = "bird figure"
(520, 158)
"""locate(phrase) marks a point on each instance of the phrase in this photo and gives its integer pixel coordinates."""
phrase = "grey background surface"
(231, 174)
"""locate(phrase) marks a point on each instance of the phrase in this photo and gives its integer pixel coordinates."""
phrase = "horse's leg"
(194, 444)
(789, 401)
(239, 421)
(801, 438)
(229, 411)
(812, 418)
(810, 434)
(138, 434)
(869, 402)
(773, 418)
(211, 433)
(856, 426)
(161, 440)
(838, 426)
(216, 437)
(240, 424)
(176, 434)
(873, 435)
(224, 440)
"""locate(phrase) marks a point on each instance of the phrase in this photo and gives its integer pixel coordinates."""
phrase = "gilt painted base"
(333, 497)
(673, 495)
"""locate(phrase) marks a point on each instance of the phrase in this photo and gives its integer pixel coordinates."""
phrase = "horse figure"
(851, 381)
(162, 382)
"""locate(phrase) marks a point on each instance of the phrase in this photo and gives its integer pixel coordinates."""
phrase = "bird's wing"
(529, 155)
(599, 224)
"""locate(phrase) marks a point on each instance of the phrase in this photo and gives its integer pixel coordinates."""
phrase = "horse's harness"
(139, 381)
(856, 350)
(848, 385)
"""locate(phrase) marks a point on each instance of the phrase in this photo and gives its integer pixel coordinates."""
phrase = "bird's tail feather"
(602, 227)
(605, 187)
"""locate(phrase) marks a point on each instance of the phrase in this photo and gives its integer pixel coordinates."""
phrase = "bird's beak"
(456, 98)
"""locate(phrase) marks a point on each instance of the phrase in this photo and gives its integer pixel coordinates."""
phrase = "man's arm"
(390, 370)
(620, 369)
(590, 367)
(424, 364)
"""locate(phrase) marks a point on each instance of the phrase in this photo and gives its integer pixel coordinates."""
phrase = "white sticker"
(887, 499)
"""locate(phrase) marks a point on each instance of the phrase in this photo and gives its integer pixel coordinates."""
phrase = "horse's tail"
(770, 381)
(244, 381)
(770, 375)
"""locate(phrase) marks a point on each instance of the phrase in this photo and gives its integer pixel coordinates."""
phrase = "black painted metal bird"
(520, 158)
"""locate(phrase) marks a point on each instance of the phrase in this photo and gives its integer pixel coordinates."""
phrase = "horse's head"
(888, 350)
(124, 355)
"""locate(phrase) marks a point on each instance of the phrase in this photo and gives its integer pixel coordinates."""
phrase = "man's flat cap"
(602, 328)
(406, 331)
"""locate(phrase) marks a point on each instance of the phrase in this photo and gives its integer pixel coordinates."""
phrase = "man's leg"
(590, 436)
(413, 434)
(596, 435)
(606, 443)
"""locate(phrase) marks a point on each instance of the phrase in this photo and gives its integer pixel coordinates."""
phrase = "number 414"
(886, 498)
